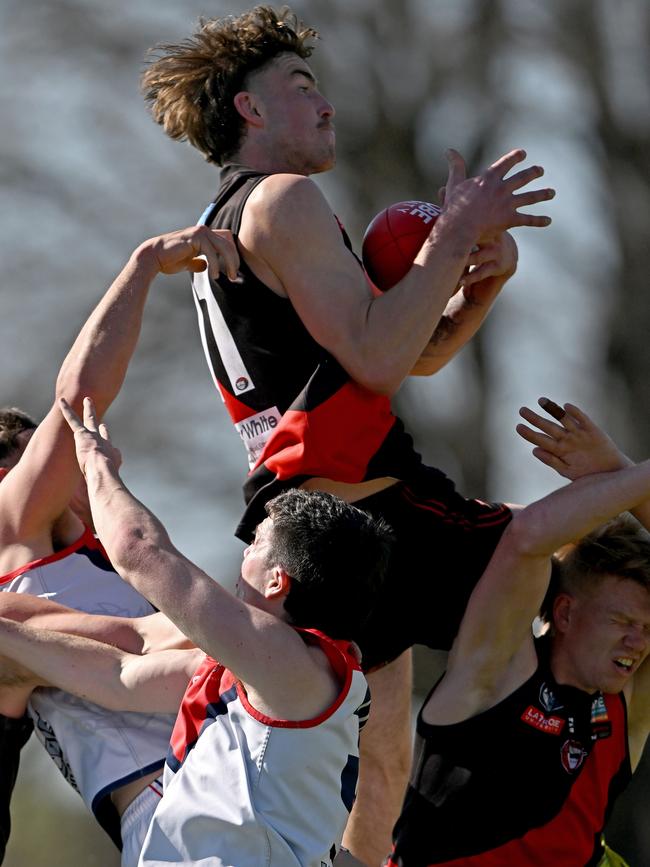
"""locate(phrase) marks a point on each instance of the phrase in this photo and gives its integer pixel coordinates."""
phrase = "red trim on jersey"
(211, 681)
(86, 540)
(567, 838)
(341, 661)
(335, 439)
(492, 517)
(3, 472)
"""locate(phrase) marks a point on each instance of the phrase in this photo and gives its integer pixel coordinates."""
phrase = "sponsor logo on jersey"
(572, 755)
(548, 699)
(256, 431)
(552, 725)
(241, 384)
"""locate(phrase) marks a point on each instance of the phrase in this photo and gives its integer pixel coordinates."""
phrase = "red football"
(393, 240)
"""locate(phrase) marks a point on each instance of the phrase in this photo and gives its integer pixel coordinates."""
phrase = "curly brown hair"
(191, 86)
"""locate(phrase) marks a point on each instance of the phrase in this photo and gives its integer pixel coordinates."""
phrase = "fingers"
(534, 437)
(90, 415)
(551, 429)
(503, 165)
(70, 415)
(220, 249)
(457, 171)
(552, 461)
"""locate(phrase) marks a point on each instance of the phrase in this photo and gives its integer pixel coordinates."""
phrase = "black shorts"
(443, 544)
(14, 734)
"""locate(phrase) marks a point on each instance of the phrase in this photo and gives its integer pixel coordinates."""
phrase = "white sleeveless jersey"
(95, 749)
(243, 789)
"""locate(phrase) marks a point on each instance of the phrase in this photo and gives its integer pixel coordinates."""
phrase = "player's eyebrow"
(305, 74)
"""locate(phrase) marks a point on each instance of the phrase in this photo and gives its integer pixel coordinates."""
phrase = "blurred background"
(85, 176)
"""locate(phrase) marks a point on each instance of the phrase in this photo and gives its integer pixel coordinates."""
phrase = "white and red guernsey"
(241, 788)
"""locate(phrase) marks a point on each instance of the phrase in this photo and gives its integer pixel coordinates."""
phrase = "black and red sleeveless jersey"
(529, 782)
(296, 409)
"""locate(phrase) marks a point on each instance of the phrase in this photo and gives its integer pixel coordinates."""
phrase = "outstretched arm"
(136, 635)
(508, 596)
(98, 672)
(574, 445)
(249, 641)
(39, 488)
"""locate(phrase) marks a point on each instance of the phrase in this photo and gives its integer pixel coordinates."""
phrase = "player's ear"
(562, 610)
(279, 584)
(246, 104)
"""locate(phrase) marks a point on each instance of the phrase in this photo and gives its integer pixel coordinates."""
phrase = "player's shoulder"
(288, 196)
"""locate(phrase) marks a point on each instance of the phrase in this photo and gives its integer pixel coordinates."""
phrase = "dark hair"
(13, 422)
(619, 548)
(191, 85)
(336, 556)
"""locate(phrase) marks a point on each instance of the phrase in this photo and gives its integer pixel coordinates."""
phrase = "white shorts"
(136, 820)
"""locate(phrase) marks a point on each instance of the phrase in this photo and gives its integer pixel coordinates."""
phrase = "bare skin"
(601, 641)
(35, 518)
(414, 329)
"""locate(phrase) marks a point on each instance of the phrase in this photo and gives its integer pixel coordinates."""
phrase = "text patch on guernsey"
(240, 379)
(256, 430)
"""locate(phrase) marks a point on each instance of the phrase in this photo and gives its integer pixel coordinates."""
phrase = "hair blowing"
(191, 85)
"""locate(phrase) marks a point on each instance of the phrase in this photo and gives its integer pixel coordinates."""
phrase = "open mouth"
(624, 664)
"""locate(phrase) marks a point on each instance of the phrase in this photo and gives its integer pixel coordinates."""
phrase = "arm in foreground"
(40, 486)
(100, 672)
(500, 611)
(247, 640)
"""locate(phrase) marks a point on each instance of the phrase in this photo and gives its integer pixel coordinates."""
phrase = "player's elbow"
(525, 535)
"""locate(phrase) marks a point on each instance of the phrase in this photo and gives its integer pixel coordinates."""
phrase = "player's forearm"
(99, 357)
(399, 324)
(81, 666)
(573, 511)
(463, 316)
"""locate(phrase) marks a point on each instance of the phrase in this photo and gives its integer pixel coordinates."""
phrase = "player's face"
(608, 635)
(297, 117)
(254, 569)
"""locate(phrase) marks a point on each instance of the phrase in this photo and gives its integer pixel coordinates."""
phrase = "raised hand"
(489, 202)
(90, 438)
(493, 258)
(573, 445)
(194, 249)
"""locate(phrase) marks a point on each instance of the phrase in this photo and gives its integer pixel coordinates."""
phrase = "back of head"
(13, 422)
(336, 556)
(191, 85)
(620, 548)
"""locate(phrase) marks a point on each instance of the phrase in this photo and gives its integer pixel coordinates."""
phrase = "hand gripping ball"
(393, 240)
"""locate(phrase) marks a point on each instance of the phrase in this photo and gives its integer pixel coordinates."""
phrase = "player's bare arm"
(492, 264)
(136, 635)
(377, 340)
(40, 486)
(249, 641)
(99, 672)
(495, 633)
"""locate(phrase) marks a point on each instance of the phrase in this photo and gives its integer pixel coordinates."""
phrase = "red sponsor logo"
(533, 716)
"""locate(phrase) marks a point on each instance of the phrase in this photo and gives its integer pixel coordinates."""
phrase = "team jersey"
(96, 750)
(529, 782)
(296, 409)
(242, 788)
